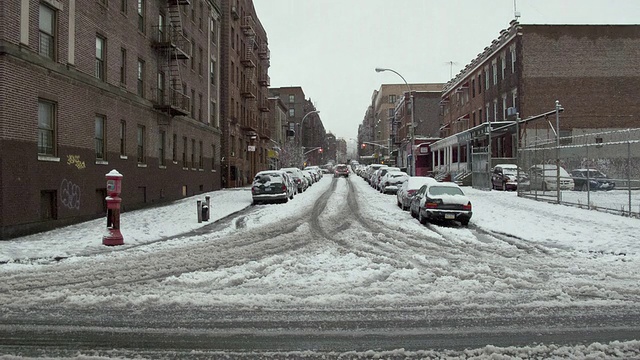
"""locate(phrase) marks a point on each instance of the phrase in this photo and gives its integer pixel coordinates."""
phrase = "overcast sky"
(331, 47)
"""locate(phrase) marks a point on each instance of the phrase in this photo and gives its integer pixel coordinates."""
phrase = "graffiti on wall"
(75, 160)
(70, 194)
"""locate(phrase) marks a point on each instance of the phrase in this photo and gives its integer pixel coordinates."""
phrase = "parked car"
(341, 170)
(272, 186)
(408, 189)
(441, 201)
(380, 174)
(309, 176)
(391, 180)
(298, 178)
(591, 179)
(368, 173)
(505, 177)
(315, 170)
(544, 177)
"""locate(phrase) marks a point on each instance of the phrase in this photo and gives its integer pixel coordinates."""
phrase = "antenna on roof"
(516, 13)
(451, 63)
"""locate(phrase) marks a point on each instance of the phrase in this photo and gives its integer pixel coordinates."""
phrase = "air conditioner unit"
(512, 111)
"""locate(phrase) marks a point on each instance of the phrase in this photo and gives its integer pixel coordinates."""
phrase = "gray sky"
(331, 47)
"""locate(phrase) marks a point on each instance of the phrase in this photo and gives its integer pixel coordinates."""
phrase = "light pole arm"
(302, 122)
(314, 149)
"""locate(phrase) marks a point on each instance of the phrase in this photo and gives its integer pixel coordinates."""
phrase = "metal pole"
(413, 131)
(558, 194)
(488, 167)
(629, 167)
(518, 151)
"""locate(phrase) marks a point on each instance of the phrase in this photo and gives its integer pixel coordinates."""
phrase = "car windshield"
(444, 190)
(510, 171)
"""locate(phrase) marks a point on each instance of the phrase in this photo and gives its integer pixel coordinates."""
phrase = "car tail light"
(467, 207)
(255, 189)
(411, 192)
(433, 203)
(284, 188)
(298, 181)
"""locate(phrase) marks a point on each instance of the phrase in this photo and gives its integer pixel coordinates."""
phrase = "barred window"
(46, 128)
(47, 25)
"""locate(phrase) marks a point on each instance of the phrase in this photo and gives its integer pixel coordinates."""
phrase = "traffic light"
(320, 150)
(364, 145)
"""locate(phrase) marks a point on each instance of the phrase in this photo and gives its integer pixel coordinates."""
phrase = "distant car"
(272, 186)
(316, 170)
(391, 181)
(443, 201)
(341, 170)
(309, 176)
(544, 177)
(505, 177)
(380, 174)
(298, 178)
(408, 189)
(591, 179)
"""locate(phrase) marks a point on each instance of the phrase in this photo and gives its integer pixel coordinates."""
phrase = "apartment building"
(304, 123)
(244, 92)
(592, 70)
(91, 86)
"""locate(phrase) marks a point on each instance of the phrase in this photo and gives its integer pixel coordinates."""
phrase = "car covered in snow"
(408, 189)
(391, 181)
(272, 186)
(591, 179)
(442, 201)
(505, 177)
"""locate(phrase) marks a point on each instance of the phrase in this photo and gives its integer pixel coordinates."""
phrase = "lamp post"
(413, 123)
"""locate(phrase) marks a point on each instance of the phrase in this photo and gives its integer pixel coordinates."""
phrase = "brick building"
(244, 92)
(91, 86)
(591, 69)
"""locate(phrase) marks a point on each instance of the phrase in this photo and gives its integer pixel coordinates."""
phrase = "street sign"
(251, 148)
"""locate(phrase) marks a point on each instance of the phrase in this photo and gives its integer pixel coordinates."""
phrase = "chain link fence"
(595, 170)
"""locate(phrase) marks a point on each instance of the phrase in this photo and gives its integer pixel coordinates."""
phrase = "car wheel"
(399, 204)
(504, 187)
(584, 187)
(544, 186)
(422, 219)
(464, 222)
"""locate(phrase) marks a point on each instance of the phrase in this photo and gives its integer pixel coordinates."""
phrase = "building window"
(212, 24)
(504, 106)
(141, 144)
(495, 109)
(494, 68)
(514, 98)
(233, 73)
(123, 6)
(100, 121)
(174, 149)
(193, 54)
(160, 85)
(214, 115)
(292, 98)
(392, 99)
(473, 87)
(392, 112)
(193, 103)
(193, 12)
(140, 77)
(185, 164)
(213, 157)
(480, 115)
(513, 59)
(123, 138)
(161, 150)
(46, 128)
(503, 64)
(212, 72)
(486, 112)
(200, 58)
(123, 66)
(201, 104)
(47, 32)
(193, 153)
(200, 16)
(479, 83)
(101, 53)
(292, 112)
(201, 157)
(486, 78)
(141, 11)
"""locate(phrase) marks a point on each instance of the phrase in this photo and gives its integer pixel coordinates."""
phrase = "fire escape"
(173, 46)
(264, 81)
(248, 87)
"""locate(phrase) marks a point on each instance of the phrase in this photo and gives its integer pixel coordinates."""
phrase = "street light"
(302, 122)
(413, 122)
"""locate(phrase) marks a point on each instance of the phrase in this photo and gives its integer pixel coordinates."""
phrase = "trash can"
(205, 212)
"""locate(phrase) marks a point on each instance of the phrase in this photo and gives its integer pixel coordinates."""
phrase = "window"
(233, 73)
(123, 66)
(193, 54)
(212, 24)
(292, 98)
(392, 99)
(480, 115)
(193, 103)
(123, 6)
(174, 149)
(213, 157)
(292, 112)
(486, 78)
(503, 64)
(486, 112)
(184, 153)
(200, 107)
(48, 208)
(123, 138)
(161, 144)
(141, 11)
(214, 115)
(160, 85)
(514, 98)
(193, 12)
(212, 72)
(46, 128)
(193, 153)
(479, 83)
(100, 121)
(200, 58)
(161, 28)
(504, 106)
(200, 16)
(473, 87)
(140, 77)
(141, 144)
(494, 68)
(201, 157)
(513, 59)
(392, 112)
(47, 25)
(100, 57)
(495, 109)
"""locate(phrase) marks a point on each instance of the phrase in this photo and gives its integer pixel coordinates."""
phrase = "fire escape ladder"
(180, 48)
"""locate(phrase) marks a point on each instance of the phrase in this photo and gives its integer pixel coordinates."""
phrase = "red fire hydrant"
(114, 187)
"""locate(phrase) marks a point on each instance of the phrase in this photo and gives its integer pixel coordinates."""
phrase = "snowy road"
(339, 268)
